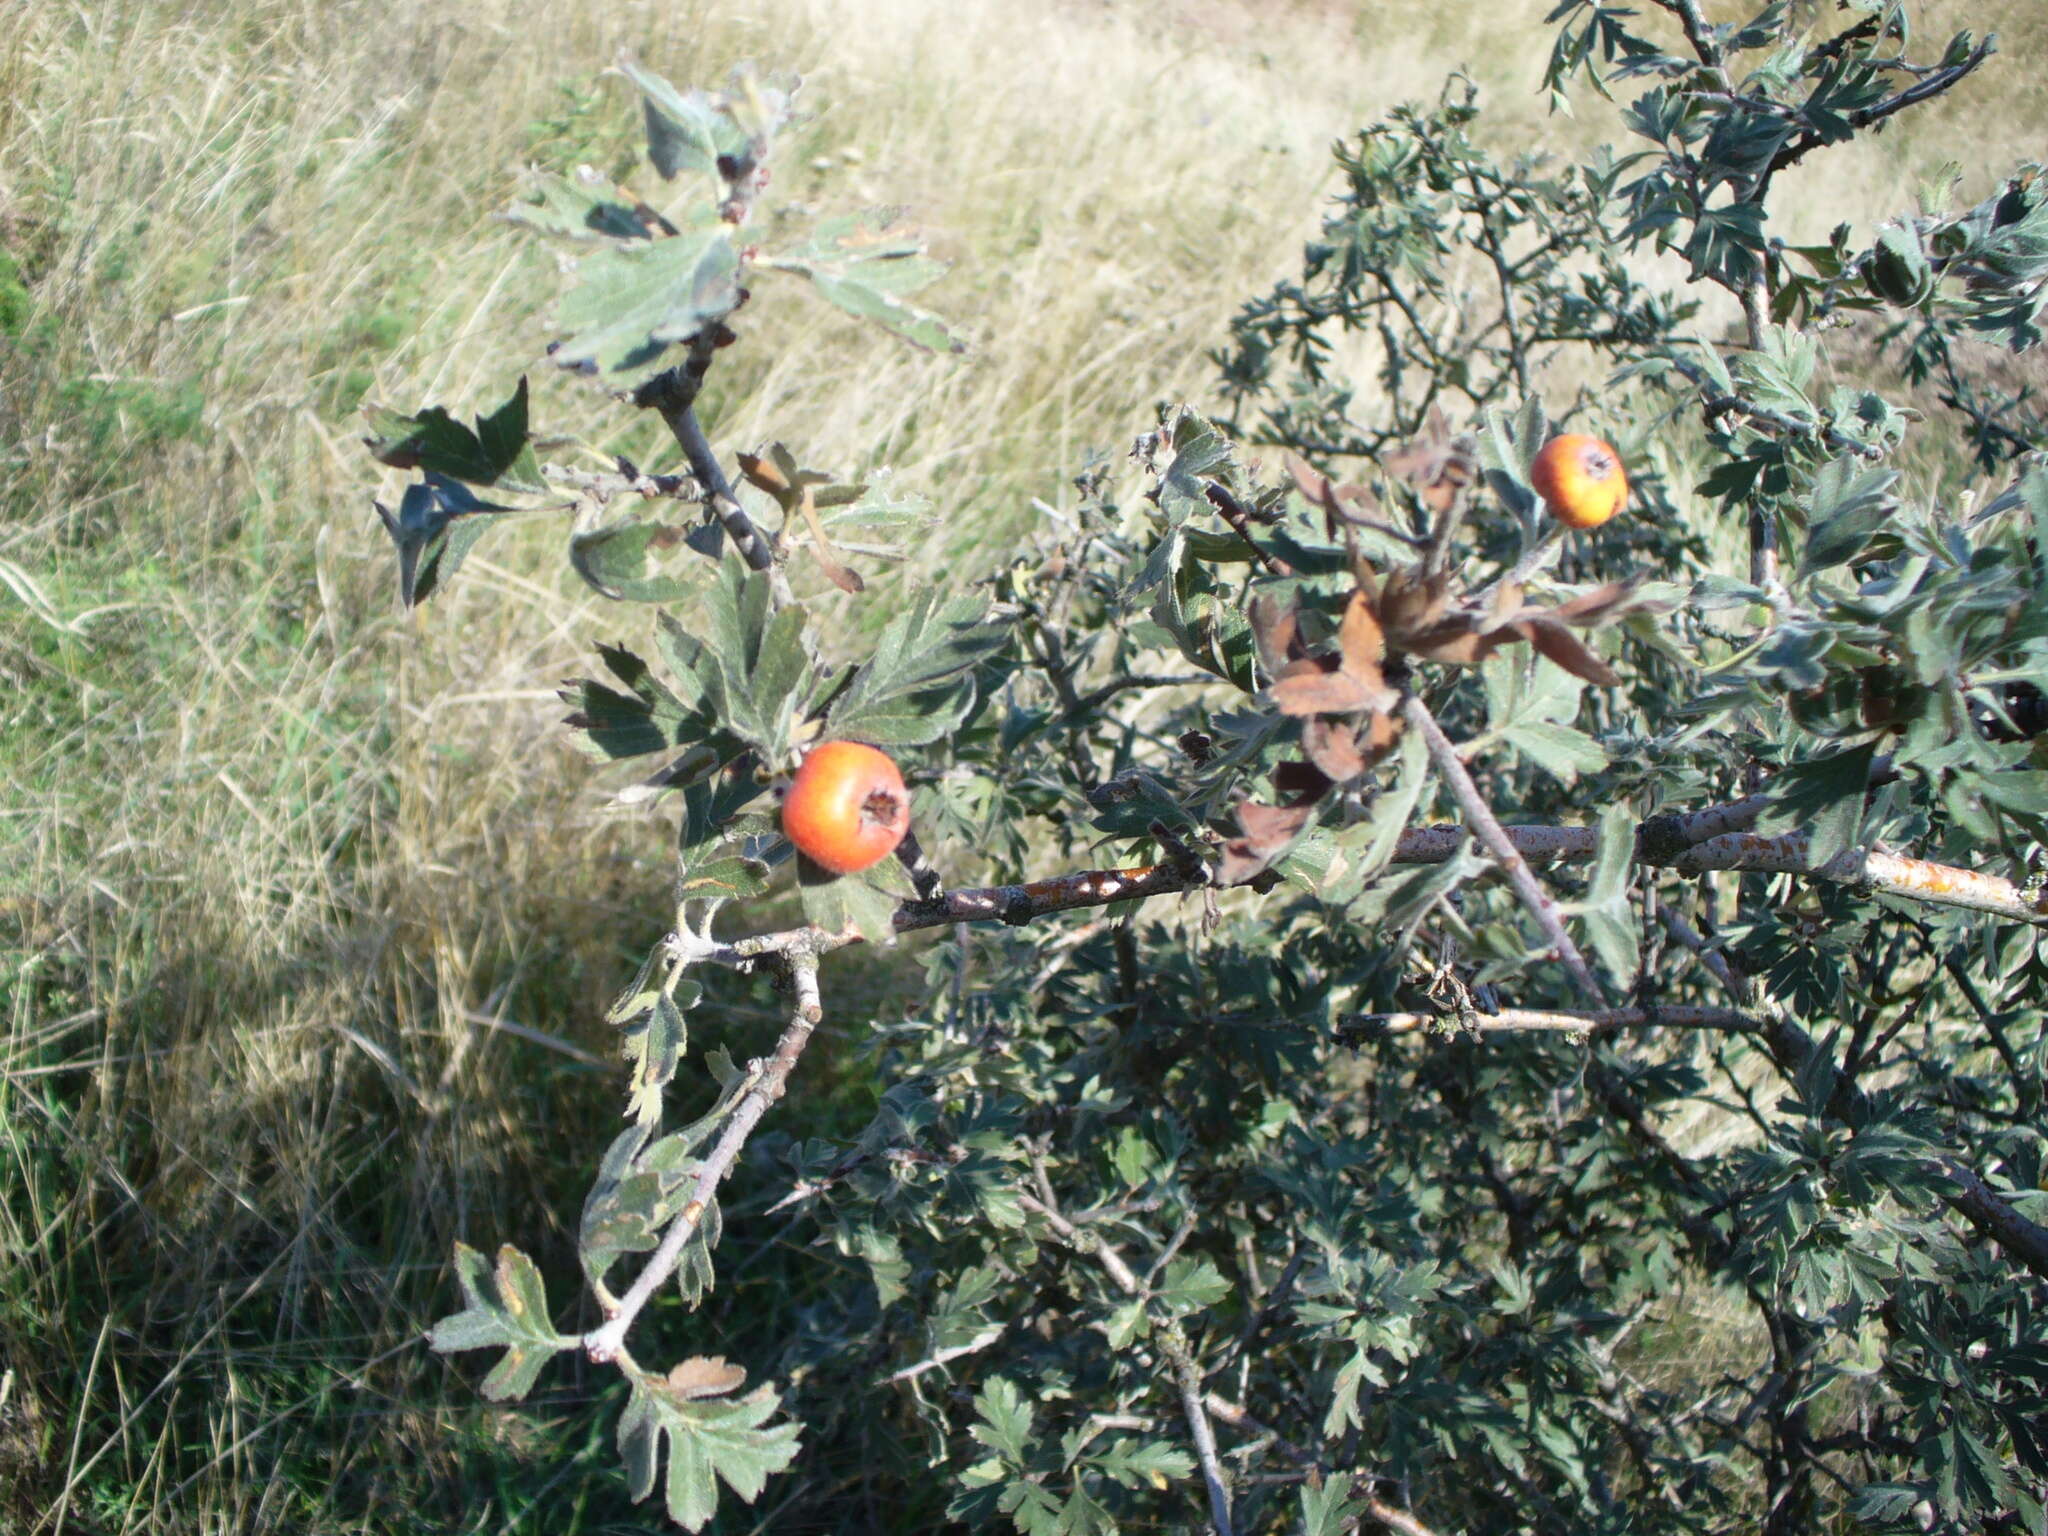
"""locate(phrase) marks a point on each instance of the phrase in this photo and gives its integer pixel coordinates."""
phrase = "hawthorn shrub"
(1489, 1027)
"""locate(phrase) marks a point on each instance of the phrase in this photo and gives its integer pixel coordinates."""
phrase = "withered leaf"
(1410, 603)
(764, 475)
(1316, 487)
(1457, 639)
(705, 1376)
(1302, 783)
(1311, 482)
(1382, 730)
(835, 569)
(1268, 829)
(1599, 605)
(1359, 640)
(1437, 464)
(1565, 648)
(1275, 631)
(1332, 746)
(1271, 827)
(1319, 685)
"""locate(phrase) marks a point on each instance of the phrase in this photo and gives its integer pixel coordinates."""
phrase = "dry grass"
(267, 851)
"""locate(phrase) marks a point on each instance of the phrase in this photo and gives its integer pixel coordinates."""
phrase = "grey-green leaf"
(617, 560)
(709, 1441)
(634, 301)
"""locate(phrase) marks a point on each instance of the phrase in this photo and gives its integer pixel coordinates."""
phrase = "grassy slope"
(267, 851)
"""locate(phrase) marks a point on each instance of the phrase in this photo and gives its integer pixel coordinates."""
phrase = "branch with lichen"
(1591, 1021)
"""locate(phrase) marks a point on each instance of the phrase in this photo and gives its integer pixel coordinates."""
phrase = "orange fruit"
(847, 808)
(1580, 479)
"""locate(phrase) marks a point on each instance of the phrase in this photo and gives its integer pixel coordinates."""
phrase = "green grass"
(269, 851)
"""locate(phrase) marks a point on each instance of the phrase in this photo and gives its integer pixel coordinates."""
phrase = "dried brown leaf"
(1599, 605)
(1411, 602)
(1438, 465)
(1457, 639)
(705, 1376)
(1382, 731)
(1319, 685)
(1309, 480)
(1565, 648)
(1302, 783)
(1268, 829)
(1359, 640)
(763, 475)
(1363, 510)
(1276, 631)
(822, 551)
(1271, 827)
(1332, 746)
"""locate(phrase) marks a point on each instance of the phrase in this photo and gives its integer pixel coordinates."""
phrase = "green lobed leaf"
(1199, 451)
(865, 267)
(1328, 1508)
(651, 718)
(515, 1319)
(653, 1048)
(865, 902)
(632, 302)
(1190, 1285)
(686, 130)
(497, 451)
(437, 523)
(919, 664)
(1559, 750)
(1824, 798)
(1143, 1463)
(585, 207)
(1004, 1420)
(616, 560)
(709, 1440)
(762, 710)
(1848, 503)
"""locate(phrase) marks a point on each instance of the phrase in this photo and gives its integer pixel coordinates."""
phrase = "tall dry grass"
(275, 863)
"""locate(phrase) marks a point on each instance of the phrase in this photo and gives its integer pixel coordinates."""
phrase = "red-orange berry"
(1580, 479)
(847, 808)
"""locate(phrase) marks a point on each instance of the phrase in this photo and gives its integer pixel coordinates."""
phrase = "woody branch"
(606, 1342)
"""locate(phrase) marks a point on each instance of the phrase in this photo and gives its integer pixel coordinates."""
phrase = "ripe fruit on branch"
(847, 808)
(1580, 480)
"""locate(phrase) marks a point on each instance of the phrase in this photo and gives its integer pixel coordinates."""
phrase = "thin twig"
(604, 1343)
(1189, 1379)
(1173, 1343)
(1700, 35)
(1715, 402)
(602, 486)
(1481, 818)
(1866, 869)
(748, 539)
(1708, 955)
(1928, 86)
(673, 396)
(1393, 1519)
